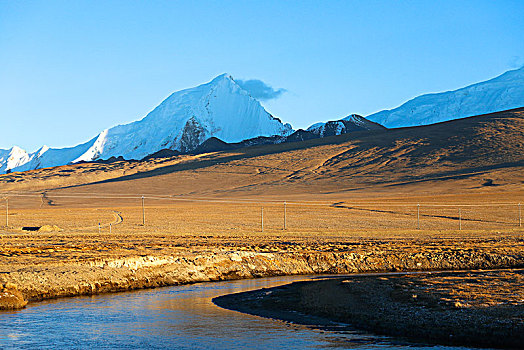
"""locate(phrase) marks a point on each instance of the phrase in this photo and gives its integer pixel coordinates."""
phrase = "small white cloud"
(260, 90)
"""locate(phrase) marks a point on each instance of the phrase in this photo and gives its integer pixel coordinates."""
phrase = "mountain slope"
(476, 154)
(220, 108)
(501, 93)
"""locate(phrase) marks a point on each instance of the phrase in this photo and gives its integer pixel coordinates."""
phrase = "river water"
(180, 317)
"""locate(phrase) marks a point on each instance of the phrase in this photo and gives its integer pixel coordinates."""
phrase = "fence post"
(7, 212)
(418, 216)
(460, 219)
(285, 216)
(99, 228)
(520, 216)
(110, 228)
(143, 213)
(262, 219)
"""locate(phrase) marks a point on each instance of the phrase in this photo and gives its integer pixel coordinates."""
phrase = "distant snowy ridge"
(498, 94)
(350, 123)
(220, 108)
(223, 110)
(12, 158)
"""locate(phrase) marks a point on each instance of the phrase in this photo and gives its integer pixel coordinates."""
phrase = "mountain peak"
(353, 122)
(222, 77)
(42, 150)
(16, 151)
(353, 117)
(183, 121)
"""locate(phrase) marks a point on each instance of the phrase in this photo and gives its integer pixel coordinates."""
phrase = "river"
(179, 317)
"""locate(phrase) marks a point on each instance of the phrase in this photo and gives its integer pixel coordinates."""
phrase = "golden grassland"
(457, 180)
(450, 188)
(396, 216)
(487, 222)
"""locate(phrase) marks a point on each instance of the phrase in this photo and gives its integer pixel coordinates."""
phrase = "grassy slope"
(450, 157)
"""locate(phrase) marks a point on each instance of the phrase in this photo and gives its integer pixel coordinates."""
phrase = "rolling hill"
(481, 153)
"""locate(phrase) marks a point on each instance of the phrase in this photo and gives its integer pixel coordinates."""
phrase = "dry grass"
(400, 217)
(349, 188)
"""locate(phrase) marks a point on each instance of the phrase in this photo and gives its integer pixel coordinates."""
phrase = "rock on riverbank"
(11, 298)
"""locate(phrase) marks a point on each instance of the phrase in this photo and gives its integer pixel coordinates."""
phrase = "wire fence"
(88, 212)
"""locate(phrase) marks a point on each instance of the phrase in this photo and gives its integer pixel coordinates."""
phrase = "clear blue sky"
(69, 69)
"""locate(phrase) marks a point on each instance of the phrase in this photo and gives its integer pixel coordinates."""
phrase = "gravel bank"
(482, 308)
(42, 274)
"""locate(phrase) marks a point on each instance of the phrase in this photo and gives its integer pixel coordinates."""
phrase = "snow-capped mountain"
(12, 158)
(350, 123)
(498, 94)
(220, 108)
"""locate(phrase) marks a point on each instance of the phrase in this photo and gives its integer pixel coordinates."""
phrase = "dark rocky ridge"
(355, 123)
(193, 143)
(346, 125)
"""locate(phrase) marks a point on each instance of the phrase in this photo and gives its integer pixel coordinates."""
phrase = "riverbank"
(481, 308)
(42, 266)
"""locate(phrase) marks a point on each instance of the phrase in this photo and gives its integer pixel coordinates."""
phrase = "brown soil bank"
(77, 265)
(484, 309)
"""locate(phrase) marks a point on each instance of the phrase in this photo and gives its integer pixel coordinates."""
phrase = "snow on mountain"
(350, 123)
(12, 158)
(220, 108)
(498, 94)
(48, 157)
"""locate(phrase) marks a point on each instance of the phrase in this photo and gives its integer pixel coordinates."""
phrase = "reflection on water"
(181, 317)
